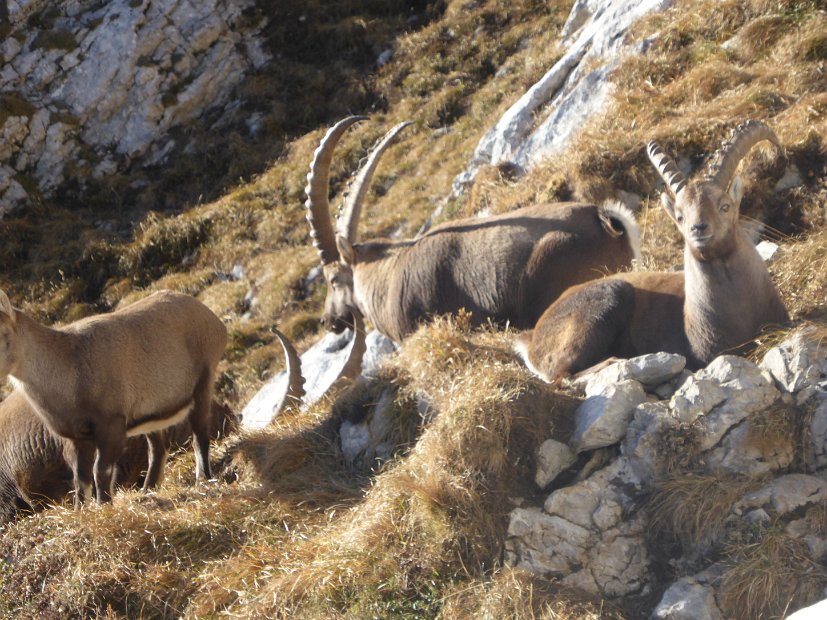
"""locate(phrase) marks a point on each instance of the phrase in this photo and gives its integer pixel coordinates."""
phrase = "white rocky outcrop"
(592, 530)
(321, 365)
(104, 84)
(543, 121)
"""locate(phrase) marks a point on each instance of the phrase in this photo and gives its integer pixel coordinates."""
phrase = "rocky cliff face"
(88, 88)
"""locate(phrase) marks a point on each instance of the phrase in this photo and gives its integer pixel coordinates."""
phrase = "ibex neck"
(375, 278)
(727, 299)
(41, 360)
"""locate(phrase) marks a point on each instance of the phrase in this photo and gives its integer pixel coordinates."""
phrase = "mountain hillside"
(292, 527)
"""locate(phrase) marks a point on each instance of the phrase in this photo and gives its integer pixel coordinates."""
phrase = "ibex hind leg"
(584, 328)
(157, 452)
(201, 422)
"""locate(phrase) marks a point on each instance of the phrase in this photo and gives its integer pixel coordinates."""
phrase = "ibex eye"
(724, 207)
(679, 218)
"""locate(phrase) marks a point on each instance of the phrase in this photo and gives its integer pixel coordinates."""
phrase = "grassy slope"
(289, 532)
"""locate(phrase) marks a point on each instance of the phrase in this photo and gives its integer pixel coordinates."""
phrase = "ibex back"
(506, 268)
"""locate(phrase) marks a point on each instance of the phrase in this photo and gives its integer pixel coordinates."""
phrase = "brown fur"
(94, 379)
(36, 465)
(719, 304)
(504, 268)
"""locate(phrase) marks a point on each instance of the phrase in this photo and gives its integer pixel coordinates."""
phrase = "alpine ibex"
(719, 303)
(36, 465)
(136, 371)
(507, 268)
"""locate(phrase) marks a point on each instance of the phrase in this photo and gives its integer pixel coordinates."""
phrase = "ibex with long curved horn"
(719, 303)
(136, 371)
(294, 394)
(36, 465)
(507, 268)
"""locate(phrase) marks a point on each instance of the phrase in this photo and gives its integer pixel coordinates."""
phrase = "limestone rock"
(321, 364)
(785, 494)
(365, 442)
(747, 390)
(813, 612)
(588, 534)
(119, 78)
(643, 444)
(818, 430)
(602, 419)
(688, 599)
(649, 370)
(570, 92)
(553, 457)
(799, 362)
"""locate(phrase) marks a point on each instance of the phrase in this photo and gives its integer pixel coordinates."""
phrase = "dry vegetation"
(289, 531)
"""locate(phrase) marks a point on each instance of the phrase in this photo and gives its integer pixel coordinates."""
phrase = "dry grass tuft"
(769, 576)
(519, 595)
(801, 276)
(438, 517)
(692, 509)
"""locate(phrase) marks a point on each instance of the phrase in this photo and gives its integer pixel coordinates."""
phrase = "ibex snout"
(337, 324)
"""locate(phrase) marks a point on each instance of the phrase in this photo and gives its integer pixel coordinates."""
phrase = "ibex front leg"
(110, 442)
(82, 458)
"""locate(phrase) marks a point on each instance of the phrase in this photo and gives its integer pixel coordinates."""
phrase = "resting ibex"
(507, 268)
(136, 371)
(719, 303)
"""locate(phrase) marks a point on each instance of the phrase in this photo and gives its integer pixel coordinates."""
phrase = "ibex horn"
(352, 367)
(295, 380)
(318, 186)
(352, 207)
(666, 167)
(725, 161)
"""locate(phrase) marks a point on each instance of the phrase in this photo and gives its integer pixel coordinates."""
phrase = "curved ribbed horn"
(352, 207)
(724, 162)
(318, 186)
(295, 381)
(666, 167)
(352, 367)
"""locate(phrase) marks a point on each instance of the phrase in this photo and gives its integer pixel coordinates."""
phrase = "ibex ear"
(5, 306)
(668, 203)
(736, 190)
(346, 251)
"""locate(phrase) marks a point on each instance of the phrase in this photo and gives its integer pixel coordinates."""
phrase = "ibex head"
(706, 209)
(336, 249)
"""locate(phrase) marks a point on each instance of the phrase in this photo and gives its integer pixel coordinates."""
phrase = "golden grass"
(290, 531)
(517, 594)
(693, 508)
(769, 576)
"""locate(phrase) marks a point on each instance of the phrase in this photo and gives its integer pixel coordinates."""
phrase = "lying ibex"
(136, 371)
(507, 268)
(719, 303)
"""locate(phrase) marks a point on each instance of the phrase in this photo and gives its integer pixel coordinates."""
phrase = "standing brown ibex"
(136, 371)
(719, 303)
(507, 268)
